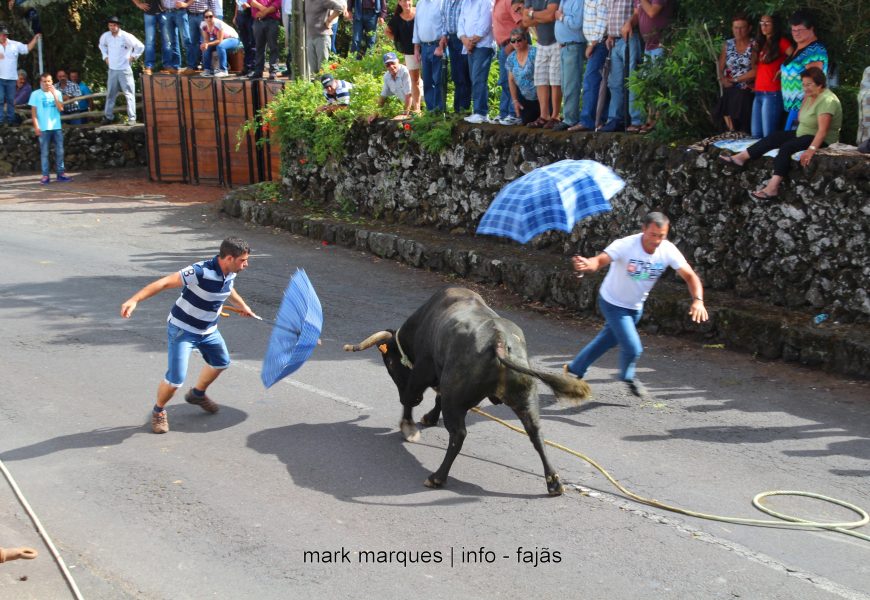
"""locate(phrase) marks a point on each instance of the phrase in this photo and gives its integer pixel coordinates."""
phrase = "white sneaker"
(476, 119)
(511, 120)
(207, 73)
(221, 74)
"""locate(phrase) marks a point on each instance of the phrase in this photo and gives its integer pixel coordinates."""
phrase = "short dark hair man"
(636, 264)
(192, 323)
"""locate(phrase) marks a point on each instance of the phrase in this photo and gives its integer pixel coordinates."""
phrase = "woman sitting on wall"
(772, 49)
(819, 122)
(521, 76)
(736, 74)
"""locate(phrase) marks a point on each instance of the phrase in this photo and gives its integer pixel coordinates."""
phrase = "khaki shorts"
(548, 65)
(411, 62)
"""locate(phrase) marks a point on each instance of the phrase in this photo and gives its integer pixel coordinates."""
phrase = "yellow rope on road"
(787, 520)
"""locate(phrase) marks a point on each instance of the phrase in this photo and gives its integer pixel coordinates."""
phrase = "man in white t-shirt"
(636, 264)
(10, 50)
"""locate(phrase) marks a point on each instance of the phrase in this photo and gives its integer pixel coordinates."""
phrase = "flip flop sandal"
(633, 129)
(729, 160)
(762, 195)
(537, 124)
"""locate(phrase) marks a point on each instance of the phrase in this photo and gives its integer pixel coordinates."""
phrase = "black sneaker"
(638, 389)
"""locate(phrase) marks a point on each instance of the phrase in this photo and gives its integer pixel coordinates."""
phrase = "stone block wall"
(807, 250)
(85, 148)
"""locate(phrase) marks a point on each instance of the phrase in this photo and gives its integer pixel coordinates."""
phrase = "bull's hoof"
(409, 431)
(554, 485)
(433, 483)
(427, 421)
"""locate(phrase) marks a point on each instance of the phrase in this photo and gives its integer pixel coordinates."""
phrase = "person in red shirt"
(267, 18)
(773, 48)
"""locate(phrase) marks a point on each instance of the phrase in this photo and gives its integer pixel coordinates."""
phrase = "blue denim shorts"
(181, 343)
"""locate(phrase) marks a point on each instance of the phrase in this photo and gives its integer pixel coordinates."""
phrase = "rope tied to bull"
(787, 520)
(405, 360)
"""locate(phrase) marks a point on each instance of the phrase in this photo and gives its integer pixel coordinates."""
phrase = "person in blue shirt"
(193, 323)
(45, 108)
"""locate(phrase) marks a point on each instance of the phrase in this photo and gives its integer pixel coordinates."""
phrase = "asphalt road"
(240, 504)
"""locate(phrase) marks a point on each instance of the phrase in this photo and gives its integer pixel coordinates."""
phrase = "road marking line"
(314, 390)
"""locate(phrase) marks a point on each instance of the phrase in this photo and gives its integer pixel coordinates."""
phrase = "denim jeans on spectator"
(506, 103)
(7, 96)
(173, 24)
(332, 48)
(194, 54)
(766, 113)
(151, 22)
(245, 26)
(45, 139)
(616, 80)
(459, 73)
(479, 61)
(572, 57)
(228, 45)
(432, 68)
(620, 327)
(592, 85)
(366, 23)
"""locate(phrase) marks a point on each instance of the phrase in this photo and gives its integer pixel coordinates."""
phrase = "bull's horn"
(375, 338)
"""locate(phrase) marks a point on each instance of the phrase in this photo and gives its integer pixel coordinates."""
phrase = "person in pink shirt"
(267, 18)
(505, 19)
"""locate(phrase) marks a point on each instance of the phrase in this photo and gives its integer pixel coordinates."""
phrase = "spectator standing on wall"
(521, 76)
(244, 23)
(119, 49)
(652, 18)
(195, 13)
(475, 31)
(458, 61)
(173, 24)
(23, 89)
(772, 49)
(594, 30)
(808, 52)
(736, 74)
(318, 31)
(430, 30)
(267, 17)
(541, 14)
(366, 16)
(151, 10)
(287, 22)
(10, 50)
(400, 29)
(45, 110)
(625, 49)
(572, 53)
(505, 18)
(218, 37)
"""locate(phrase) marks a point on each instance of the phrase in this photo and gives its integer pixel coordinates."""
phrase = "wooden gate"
(165, 128)
(271, 154)
(203, 130)
(235, 108)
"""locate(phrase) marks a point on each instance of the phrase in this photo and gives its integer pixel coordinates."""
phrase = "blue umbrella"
(296, 331)
(552, 197)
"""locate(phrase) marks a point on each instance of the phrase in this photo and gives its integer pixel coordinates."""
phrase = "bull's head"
(389, 349)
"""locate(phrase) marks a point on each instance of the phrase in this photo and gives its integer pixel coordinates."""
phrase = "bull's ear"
(383, 348)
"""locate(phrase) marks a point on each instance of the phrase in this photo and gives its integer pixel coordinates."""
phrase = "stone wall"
(86, 147)
(808, 250)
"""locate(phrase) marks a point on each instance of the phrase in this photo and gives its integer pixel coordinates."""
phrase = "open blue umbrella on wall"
(296, 330)
(555, 196)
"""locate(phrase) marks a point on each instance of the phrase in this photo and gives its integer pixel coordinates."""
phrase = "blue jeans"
(7, 96)
(619, 328)
(479, 62)
(506, 103)
(592, 85)
(332, 49)
(45, 139)
(151, 40)
(459, 73)
(222, 48)
(766, 113)
(572, 57)
(181, 343)
(616, 81)
(366, 23)
(432, 68)
(194, 54)
(173, 23)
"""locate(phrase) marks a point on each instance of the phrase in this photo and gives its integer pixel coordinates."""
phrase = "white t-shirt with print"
(633, 272)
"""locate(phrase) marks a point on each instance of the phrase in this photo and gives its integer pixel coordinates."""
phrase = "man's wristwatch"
(698, 299)
(531, 13)
(812, 148)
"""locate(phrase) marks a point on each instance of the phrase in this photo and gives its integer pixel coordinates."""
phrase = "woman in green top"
(819, 122)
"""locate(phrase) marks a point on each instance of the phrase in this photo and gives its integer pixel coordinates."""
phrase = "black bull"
(459, 346)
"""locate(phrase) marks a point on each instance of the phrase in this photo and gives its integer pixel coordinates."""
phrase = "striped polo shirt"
(206, 288)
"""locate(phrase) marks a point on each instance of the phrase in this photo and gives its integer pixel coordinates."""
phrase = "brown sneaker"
(169, 71)
(159, 422)
(147, 70)
(205, 403)
(188, 71)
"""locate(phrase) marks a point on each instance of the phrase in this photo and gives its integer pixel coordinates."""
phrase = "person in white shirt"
(397, 82)
(636, 262)
(474, 29)
(10, 50)
(119, 50)
(216, 36)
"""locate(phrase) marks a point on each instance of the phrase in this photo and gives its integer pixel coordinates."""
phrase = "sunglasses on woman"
(515, 40)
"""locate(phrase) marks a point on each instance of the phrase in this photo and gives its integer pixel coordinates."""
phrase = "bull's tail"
(569, 390)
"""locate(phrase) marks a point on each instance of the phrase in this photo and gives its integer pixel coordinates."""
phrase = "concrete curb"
(747, 326)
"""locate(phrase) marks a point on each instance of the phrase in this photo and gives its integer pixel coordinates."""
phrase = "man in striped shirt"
(192, 323)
